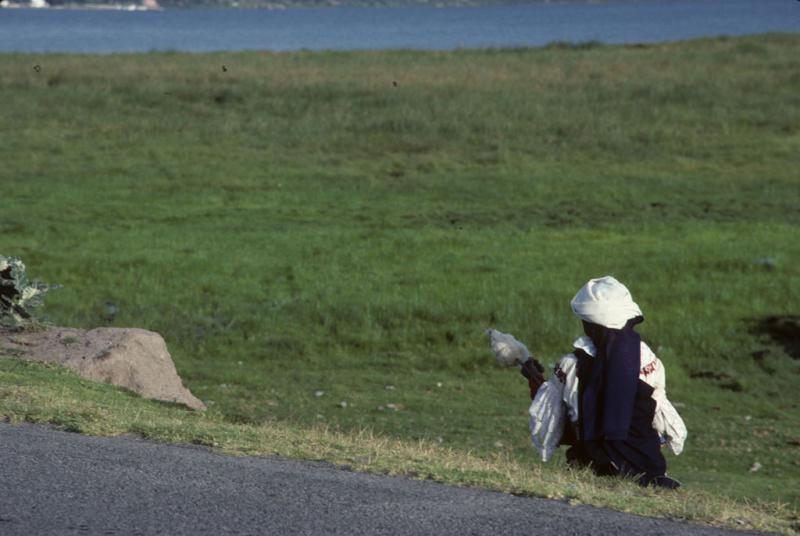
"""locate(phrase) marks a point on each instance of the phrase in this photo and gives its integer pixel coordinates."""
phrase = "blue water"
(620, 21)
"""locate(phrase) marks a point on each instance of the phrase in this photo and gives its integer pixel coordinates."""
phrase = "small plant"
(18, 295)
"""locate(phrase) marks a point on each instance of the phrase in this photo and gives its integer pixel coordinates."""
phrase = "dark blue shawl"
(609, 385)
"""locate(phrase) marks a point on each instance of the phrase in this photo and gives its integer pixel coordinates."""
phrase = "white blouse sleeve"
(666, 421)
(567, 370)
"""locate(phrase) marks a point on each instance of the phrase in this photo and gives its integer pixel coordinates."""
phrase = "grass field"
(351, 222)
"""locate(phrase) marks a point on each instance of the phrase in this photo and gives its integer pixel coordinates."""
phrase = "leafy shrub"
(18, 295)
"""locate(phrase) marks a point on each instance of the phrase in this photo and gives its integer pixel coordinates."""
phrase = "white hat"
(605, 301)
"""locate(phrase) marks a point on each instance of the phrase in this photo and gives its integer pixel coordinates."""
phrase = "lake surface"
(201, 30)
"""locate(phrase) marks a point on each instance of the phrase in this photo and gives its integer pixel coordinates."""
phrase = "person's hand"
(532, 369)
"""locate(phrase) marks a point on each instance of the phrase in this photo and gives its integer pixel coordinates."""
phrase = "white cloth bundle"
(508, 351)
(605, 301)
(547, 418)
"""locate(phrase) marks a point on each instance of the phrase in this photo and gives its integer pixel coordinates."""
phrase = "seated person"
(607, 399)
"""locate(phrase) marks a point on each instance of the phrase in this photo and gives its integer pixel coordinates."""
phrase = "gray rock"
(133, 358)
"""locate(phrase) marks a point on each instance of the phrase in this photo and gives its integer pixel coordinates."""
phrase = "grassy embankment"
(351, 222)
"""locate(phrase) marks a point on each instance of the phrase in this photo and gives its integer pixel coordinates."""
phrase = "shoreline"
(293, 4)
(147, 5)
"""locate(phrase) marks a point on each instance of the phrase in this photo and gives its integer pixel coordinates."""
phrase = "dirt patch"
(783, 330)
(723, 380)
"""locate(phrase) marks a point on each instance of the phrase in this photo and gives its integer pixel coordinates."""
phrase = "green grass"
(298, 222)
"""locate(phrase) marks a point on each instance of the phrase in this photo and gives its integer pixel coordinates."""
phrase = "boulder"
(133, 358)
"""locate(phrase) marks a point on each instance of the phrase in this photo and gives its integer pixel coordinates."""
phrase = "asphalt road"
(54, 482)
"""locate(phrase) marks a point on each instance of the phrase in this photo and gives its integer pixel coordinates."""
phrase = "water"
(203, 30)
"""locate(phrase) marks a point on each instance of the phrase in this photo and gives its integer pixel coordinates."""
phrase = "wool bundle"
(508, 351)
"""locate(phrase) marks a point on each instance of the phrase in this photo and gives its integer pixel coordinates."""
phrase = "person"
(607, 399)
